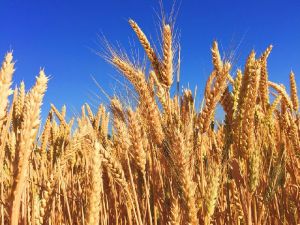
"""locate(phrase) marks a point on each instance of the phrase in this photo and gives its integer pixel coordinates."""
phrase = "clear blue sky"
(59, 35)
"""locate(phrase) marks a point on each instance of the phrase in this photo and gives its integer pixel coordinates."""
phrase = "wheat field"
(162, 160)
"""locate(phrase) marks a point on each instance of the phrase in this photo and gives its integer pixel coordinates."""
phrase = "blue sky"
(61, 36)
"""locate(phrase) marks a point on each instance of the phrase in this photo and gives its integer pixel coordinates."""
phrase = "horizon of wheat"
(164, 161)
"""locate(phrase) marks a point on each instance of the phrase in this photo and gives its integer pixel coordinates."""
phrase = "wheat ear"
(281, 90)
(151, 112)
(167, 65)
(6, 73)
(263, 84)
(147, 47)
(213, 98)
(294, 95)
(94, 199)
(24, 148)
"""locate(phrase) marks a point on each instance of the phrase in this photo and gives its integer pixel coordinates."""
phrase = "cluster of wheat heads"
(163, 161)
